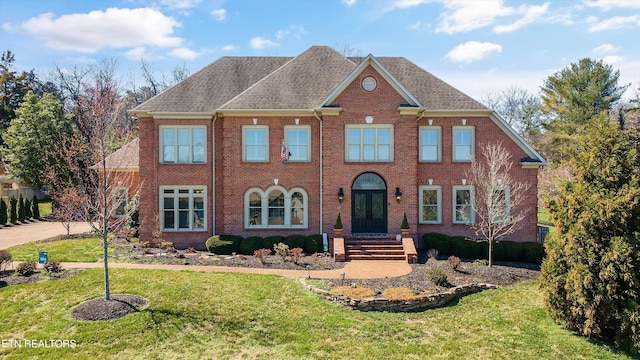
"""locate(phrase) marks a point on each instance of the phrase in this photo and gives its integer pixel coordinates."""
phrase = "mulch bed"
(10, 277)
(119, 305)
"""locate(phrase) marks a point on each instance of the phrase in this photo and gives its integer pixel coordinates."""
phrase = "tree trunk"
(490, 252)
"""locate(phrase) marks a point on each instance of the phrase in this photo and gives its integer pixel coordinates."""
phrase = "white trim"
(363, 127)
(244, 141)
(438, 130)
(472, 150)
(176, 151)
(472, 211)
(264, 208)
(287, 142)
(175, 195)
(438, 190)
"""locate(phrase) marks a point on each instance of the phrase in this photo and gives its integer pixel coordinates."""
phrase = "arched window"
(276, 208)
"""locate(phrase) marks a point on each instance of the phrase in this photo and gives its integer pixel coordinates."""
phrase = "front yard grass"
(193, 315)
(68, 250)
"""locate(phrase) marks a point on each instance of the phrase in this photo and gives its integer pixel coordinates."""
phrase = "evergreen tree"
(27, 209)
(36, 208)
(21, 212)
(591, 276)
(3, 212)
(13, 210)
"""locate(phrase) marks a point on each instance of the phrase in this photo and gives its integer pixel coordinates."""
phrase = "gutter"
(213, 172)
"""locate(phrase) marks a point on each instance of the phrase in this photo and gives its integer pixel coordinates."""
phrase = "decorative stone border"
(420, 302)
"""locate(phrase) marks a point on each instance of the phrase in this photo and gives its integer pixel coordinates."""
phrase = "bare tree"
(499, 197)
(69, 207)
(518, 108)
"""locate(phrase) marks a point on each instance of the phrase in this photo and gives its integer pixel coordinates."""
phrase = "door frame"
(369, 183)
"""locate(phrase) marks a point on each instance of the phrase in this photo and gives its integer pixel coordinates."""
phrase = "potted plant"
(404, 228)
(338, 226)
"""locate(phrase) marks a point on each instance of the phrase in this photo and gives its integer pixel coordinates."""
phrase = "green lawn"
(70, 250)
(44, 207)
(194, 315)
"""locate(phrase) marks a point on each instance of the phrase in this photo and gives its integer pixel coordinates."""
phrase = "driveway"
(21, 234)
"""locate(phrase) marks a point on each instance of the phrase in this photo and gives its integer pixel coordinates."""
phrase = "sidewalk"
(25, 233)
(356, 269)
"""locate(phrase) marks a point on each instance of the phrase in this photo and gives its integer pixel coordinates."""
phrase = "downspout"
(421, 115)
(213, 172)
(321, 196)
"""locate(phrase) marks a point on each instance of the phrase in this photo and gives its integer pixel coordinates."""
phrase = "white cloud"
(180, 4)
(229, 47)
(136, 53)
(293, 30)
(184, 53)
(463, 15)
(349, 3)
(403, 4)
(531, 14)
(616, 22)
(612, 59)
(114, 27)
(610, 4)
(260, 43)
(605, 49)
(219, 14)
(7, 27)
(472, 51)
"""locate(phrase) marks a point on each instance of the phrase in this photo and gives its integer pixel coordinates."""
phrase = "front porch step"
(379, 249)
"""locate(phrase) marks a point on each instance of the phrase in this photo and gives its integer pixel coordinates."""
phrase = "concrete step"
(377, 257)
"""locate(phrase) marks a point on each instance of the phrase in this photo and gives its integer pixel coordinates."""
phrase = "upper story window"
(463, 143)
(369, 143)
(255, 143)
(430, 143)
(430, 205)
(183, 144)
(276, 208)
(298, 140)
(463, 205)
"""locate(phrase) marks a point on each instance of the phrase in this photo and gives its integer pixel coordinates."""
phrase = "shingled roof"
(125, 158)
(286, 83)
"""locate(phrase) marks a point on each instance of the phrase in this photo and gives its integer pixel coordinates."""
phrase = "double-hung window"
(183, 144)
(297, 140)
(463, 205)
(498, 204)
(430, 143)
(463, 143)
(183, 208)
(255, 143)
(430, 205)
(369, 143)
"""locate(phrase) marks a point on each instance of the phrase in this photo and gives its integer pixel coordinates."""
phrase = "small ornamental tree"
(3, 212)
(13, 210)
(590, 278)
(27, 209)
(35, 208)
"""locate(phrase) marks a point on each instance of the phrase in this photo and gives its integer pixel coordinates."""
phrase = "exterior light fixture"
(464, 181)
(340, 195)
(398, 195)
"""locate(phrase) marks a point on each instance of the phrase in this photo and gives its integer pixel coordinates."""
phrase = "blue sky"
(479, 46)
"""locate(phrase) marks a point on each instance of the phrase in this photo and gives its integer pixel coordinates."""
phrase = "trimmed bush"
(3, 212)
(513, 251)
(270, 241)
(21, 210)
(465, 249)
(440, 242)
(36, 208)
(26, 268)
(294, 241)
(221, 247)
(53, 267)
(313, 244)
(250, 244)
(13, 210)
(27, 209)
(533, 252)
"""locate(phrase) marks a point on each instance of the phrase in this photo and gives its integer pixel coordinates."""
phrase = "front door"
(369, 204)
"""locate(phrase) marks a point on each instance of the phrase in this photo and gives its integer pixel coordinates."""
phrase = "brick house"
(282, 145)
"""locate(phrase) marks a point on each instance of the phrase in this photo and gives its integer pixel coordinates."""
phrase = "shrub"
(132, 214)
(432, 253)
(5, 258)
(533, 252)
(27, 209)
(262, 254)
(270, 241)
(466, 249)
(513, 251)
(3, 212)
(190, 250)
(313, 244)
(21, 212)
(294, 241)
(26, 268)
(281, 249)
(296, 254)
(36, 208)
(250, 244)
(440, 242)
(454, 262)
(438, 277)
(53, 267)
(13, 210)
(217, 246)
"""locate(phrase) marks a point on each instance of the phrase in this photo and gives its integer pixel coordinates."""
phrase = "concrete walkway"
(39, 230)
(356, 269)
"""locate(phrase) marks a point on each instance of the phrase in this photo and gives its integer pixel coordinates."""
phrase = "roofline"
(519, 140)
(371, 60)
(237, 112)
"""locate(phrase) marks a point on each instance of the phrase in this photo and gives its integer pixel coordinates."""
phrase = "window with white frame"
(463, 205)
(430, 205)
(183, 144)
(121, 198)
(463, 143)
(276, 208)
(297, 140)
(430, 143)
(255, 143)
(183, 208)
(369, 143)
(499, 204)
